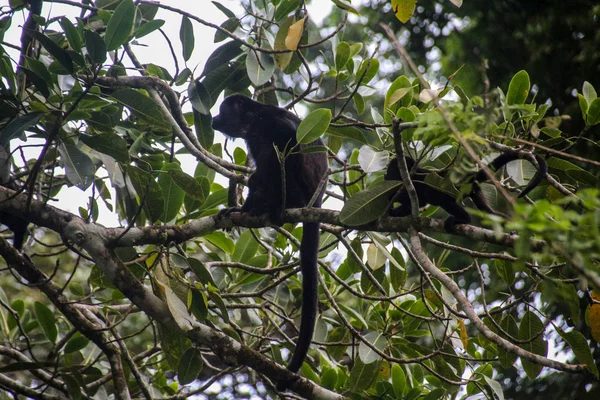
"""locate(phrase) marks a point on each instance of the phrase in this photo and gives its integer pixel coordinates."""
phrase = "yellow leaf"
(593, 317)
(294, 34)
(404, 9)
(462, 331)
(283, 59)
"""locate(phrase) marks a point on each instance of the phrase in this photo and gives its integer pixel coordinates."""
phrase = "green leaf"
(146, 187)
(221, 56)
(173, 345)
(95, 46)
(562, 165)
(260, 67)
(72, 34)
(508, 325)
(373, 67)
(345, 6)
(593, 114)
(329, 378)
(108, 143)
(245, 247)
(589, 93)
(398, 381)
(505, 271)
(363, 375)
(220, 240)
(518, 89)
(199, 97)
(285, 7)
(392, 101)
(371, 160)
(143, 106)
(359, 103)
(148, 27)
(228, 13)
(368, 205)
(186, 35)
(342, 55)
(313, 126)
(79, 167)
(583, 106)
(172, 193)
(46, 320)
(215, 199)
(73, 386)
(120, 25)
(190, 366)
(230, 25)
(581, 349)
(495, 386)
(531, 330)
(76, 343)
(200, 270)
(55, 50)
(17, 126)
(366, 353)
(188, 184)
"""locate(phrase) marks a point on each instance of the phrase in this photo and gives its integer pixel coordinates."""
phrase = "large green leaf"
(260, 67)
(79, 167)
(17, 126)
(531, 330)
(367, 74)
(149, 27)
(147, 189)
(143, 106)
(368, 205)
(313, 126)
(199, 97)
(342, 55)
(363, 375)
(172, 193)
(188, 184)
(245, 247)
(190, 365)
(95, 46)
(72, 34)
(186, 35)
(108, 143)
(120, 25)
(593, 114)
(518, 89)
(46, 320)
(581, 349)
(55, 50)
(371, 160)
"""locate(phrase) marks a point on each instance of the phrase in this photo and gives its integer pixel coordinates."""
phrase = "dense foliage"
(175, 299)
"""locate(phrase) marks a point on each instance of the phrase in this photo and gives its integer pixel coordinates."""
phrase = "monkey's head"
(235, 116)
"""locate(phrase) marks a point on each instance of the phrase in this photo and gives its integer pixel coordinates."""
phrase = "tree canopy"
(174, 299)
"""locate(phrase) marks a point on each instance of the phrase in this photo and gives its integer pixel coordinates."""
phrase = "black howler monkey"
(264, 127)
(429, 195)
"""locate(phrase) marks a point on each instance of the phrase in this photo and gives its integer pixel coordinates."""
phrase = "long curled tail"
(494, 166)
(309, 249)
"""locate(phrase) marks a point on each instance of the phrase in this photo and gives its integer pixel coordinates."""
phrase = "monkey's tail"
(309, 249)
(504, 159)
(537, 178)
